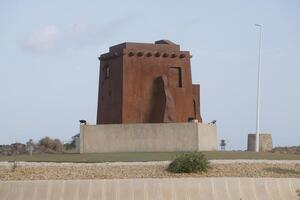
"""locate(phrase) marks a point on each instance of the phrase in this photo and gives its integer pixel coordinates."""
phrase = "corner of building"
(207, 137)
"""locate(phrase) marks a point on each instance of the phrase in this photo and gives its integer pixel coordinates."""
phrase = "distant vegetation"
(189, 163)
(72, 144)
(44, 145)
(49, 145)
(287, 150)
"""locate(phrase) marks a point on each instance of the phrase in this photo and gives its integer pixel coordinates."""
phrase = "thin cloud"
(44, 39)
(80, 35)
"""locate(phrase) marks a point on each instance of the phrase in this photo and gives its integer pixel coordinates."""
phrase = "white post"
(258, 90)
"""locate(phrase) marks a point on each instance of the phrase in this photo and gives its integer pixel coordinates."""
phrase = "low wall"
(163, 137)
(160, 189)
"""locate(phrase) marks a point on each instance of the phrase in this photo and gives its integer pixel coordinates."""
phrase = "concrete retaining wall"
(148, 137)
(157, 189)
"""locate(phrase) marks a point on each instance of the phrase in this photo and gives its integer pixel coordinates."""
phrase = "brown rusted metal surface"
(147, 83)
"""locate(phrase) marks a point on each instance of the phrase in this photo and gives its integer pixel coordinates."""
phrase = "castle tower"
(147, 83)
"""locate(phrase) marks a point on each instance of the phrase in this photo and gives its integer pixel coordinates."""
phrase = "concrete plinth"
(265, 142)
(158, 137)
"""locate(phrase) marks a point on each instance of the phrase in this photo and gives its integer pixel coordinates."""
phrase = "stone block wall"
(265, 142)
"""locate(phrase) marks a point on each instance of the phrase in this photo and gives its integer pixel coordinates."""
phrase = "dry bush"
(48, 143)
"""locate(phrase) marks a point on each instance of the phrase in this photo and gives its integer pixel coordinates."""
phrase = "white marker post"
(258, 89)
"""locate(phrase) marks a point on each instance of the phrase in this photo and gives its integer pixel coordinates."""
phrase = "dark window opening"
(175, 79)
(106, 72)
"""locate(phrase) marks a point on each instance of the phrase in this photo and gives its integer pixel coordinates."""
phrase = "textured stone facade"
(265, 142)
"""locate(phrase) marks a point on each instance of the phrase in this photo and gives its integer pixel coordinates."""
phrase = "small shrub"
(51, 144)
(189, 163)
(58, 146)
(46, 142)
(298, 192)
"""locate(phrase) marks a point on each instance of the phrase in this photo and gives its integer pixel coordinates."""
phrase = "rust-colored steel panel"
(147, 83)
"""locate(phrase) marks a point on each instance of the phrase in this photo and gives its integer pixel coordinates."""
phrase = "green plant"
(298, 193)
(189, 163)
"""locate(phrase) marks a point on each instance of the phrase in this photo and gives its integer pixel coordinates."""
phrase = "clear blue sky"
(49, 66)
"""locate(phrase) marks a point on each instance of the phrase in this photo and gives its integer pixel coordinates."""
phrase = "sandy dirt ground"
(218, 168)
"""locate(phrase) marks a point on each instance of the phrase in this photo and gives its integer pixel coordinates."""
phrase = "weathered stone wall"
(162, 137)
(265, 142)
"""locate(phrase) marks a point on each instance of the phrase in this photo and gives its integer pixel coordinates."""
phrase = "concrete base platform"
(164, 137)
(158, 189)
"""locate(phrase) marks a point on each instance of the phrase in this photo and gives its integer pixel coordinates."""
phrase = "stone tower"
(147, 83)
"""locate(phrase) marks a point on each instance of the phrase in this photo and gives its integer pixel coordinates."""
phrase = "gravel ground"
(219, 168)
